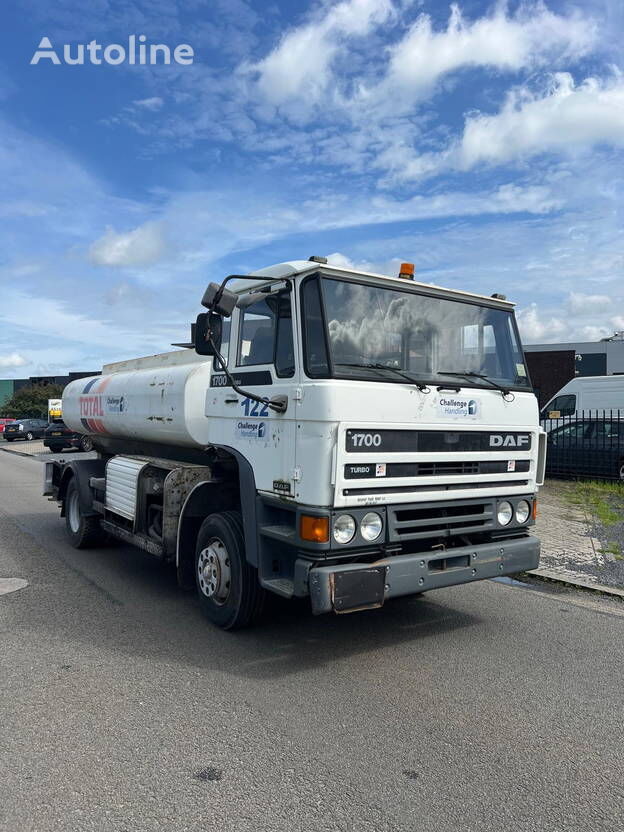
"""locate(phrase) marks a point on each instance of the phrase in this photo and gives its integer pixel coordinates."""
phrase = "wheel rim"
(87, 444)
(73, 512)
(29, 436)
(213, 571)
(622, 472)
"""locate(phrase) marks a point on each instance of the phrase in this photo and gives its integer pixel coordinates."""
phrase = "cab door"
(262, 361)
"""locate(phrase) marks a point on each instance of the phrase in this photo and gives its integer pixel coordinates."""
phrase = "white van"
(596, 393)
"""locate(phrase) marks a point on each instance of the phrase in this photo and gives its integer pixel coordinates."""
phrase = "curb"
(19, 453)
(550, 576)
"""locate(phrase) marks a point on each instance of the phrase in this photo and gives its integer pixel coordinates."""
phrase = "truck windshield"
(357, 330)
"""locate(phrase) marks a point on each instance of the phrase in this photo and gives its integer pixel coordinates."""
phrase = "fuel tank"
(157, 399)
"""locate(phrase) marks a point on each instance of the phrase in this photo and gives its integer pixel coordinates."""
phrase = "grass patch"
(604, 500)
(612, 548)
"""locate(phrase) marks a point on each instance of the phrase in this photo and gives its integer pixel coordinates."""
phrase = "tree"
(31, 402)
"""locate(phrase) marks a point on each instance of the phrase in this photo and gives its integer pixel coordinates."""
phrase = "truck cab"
(353, 437)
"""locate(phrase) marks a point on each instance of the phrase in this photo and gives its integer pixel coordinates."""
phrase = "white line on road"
(11, 585)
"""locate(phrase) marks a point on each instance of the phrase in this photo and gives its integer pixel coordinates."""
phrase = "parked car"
(3, 423)
(25, 429)
(58, 436)
(587, 447)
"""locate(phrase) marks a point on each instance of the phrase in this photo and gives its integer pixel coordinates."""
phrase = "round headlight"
(523, 511)
(371, 526)
(505, 513)
(344, 528)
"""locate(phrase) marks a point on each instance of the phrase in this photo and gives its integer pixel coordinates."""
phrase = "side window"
(569, 434)
(265, 335)
(225, 343)
(317, 365)
(566, 405)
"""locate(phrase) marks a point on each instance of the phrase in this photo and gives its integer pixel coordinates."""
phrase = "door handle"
(231, 400)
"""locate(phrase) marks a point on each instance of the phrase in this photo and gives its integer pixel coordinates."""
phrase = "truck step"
(281, 586)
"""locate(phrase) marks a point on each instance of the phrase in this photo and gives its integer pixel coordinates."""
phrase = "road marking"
(11, 585)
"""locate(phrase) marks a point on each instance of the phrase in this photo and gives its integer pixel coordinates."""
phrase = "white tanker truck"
(345, 436)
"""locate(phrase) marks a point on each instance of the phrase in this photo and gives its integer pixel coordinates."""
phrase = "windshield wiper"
(470, 374)
(376, 366)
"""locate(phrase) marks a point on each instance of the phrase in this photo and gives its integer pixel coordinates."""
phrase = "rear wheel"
(9, 438)
(227, 585)
(621, 470)
(86, 444)
(56, 449)
(83, 532)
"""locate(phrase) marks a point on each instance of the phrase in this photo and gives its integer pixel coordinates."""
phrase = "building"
(553, 365)
(9, 386)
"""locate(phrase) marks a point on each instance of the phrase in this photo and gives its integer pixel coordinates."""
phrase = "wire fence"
(588, 443)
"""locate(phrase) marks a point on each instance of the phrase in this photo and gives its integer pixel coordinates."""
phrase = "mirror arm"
(278, 404)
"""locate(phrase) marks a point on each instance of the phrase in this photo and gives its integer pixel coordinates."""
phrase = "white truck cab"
(341, 435)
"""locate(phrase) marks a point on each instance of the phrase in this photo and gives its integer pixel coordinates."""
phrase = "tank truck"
(329, 434)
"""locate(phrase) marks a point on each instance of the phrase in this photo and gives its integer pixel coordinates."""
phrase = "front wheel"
(30, 436)
(230, 595)
(83, 532)
(86, 444)
(621, 470)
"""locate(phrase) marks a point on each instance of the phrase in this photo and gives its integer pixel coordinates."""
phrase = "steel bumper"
(353, 586)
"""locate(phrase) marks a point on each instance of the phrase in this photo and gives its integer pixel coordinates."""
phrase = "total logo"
(452, 408)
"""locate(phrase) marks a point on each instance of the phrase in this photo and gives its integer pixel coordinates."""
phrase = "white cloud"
(567, 116)
(152, 104)
(581, 304)
(143, 246)
(564, 118)
(535, 329)
(301, 63)
(14, 359)
(504, 42)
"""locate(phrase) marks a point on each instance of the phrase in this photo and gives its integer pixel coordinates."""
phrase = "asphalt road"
(486, 707)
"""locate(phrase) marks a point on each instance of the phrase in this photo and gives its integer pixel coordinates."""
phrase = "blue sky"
(482, 141)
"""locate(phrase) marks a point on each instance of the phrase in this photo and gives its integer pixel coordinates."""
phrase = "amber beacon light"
(407, 271)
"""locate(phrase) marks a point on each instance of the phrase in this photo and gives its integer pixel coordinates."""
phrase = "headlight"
(344, 528)
(371, 526)
(523, 511)
(505, 513)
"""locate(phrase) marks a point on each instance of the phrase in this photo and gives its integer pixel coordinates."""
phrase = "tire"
(55, 449)
(30, 436)
(86, 444)
(83, 532)
(230, 595)
(9, 439)
(621, 470)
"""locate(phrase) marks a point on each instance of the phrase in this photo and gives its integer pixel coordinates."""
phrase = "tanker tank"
(159, 399)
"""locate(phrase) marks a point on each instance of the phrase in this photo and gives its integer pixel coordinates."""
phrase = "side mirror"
(225, 303)
(208, 327)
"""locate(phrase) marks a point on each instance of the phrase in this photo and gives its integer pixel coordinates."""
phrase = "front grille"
(411, 522)
(437, 468)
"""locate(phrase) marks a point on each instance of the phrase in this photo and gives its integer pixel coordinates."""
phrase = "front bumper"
(353, 586)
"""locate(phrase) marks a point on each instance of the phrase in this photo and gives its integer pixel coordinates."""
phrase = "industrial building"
(9, 386)
(553, 365)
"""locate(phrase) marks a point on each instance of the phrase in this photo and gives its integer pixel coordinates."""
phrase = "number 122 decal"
(253, 408)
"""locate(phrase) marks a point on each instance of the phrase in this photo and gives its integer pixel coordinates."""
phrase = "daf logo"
(509, 441)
